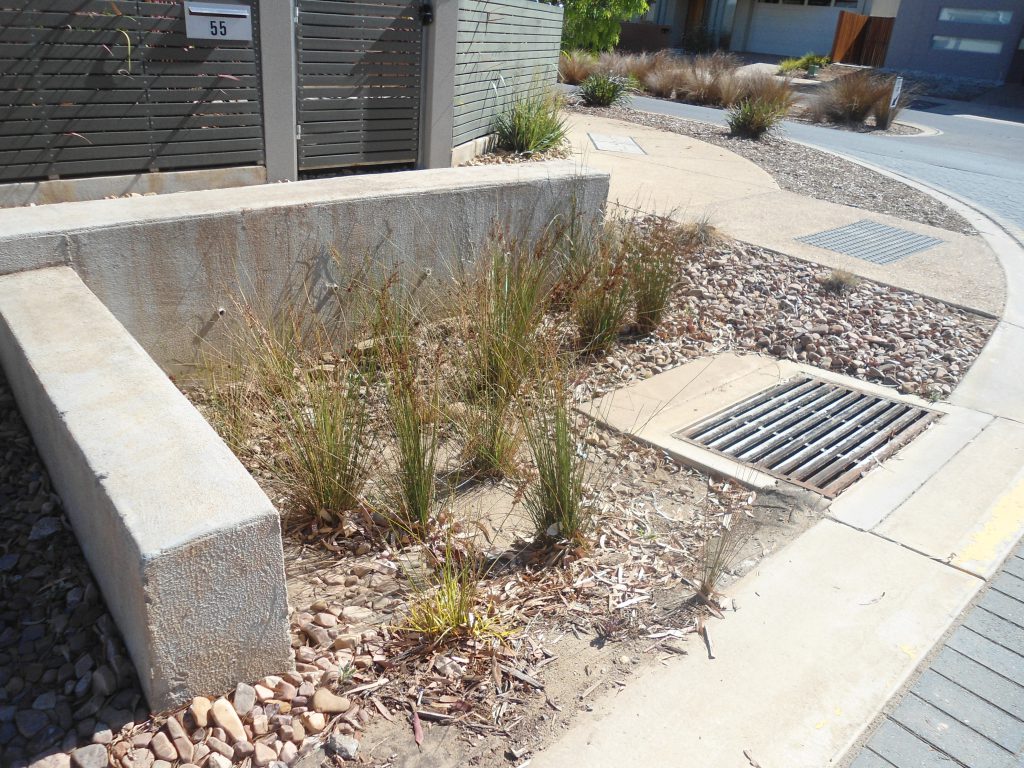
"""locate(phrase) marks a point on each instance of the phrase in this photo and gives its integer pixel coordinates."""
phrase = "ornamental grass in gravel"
(457, 615)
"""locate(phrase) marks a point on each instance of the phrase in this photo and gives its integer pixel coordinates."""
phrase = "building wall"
(783, 29)
(912, 46)
(506, 48)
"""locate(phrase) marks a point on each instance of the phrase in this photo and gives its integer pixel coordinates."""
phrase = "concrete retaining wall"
(185, 546)
(166, 266)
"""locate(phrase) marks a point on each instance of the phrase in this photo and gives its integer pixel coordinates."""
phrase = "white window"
(966, 44)
(976, 16)
(816, 3)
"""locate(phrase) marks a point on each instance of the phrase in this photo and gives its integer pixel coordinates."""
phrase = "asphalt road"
(978, 156)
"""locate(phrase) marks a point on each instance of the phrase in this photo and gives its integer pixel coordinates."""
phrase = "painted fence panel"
(90, 87)
(505, 47)
(359, 82)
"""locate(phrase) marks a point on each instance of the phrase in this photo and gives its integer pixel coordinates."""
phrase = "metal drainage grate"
(810, 432)
(871, 241)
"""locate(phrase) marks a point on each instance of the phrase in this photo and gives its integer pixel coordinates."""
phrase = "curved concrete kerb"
(183, 543)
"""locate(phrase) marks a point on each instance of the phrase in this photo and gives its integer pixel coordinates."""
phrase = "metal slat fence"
(359, 82)
(505, 48)
(91, 87)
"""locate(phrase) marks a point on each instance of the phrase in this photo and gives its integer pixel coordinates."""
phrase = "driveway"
(978, 156)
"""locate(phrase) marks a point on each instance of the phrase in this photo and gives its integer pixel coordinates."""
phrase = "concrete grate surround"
(820, 435)
(870, 241)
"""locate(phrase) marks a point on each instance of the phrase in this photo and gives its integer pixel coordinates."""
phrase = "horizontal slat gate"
(505, 48)
(359, 82)
(91, 87)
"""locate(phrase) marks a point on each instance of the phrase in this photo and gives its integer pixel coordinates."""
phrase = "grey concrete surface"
(170, 268)
(967, 707)
(99, 187)
(184, 544)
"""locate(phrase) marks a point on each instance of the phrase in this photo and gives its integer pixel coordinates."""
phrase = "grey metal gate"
(93, 87)
(359, 66)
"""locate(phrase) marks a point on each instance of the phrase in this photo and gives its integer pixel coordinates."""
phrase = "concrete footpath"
(690, 179)
(831, 628)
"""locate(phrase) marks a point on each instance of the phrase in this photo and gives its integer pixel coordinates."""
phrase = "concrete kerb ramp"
(96, 296)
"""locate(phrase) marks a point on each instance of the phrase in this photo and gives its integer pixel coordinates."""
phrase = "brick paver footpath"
(968, 707)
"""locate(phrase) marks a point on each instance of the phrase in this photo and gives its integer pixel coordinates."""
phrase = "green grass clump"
(531, 123)
(754, 118)
(789, 66)
(606, 90)
(450, 607)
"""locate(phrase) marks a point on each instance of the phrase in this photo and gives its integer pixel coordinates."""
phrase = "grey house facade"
(966, 38)
(979, 39)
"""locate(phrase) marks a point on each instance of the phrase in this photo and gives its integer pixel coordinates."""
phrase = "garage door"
(792, 30)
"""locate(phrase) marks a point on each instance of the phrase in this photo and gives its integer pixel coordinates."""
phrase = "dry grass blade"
(576, 66)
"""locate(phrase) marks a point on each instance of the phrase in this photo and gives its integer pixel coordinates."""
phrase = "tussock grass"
(503, 312)
(663, 81)
(850, 100)
(602, 299)
(413, 406)
(576, 66)
(754, 118)
(884, 111)
(606, 90)
(702, 233)
(717, 556)
(532, 122)
(840, 282)
(653, 253)
(324, 457)
(555, 499)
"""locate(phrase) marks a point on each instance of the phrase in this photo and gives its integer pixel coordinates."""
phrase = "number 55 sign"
(217, 21)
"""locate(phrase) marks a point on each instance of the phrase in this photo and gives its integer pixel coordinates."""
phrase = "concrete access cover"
(624, 144)
(871, 241)
(817, 434)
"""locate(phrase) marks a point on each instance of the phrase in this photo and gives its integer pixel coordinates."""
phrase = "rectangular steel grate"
(871, 241)
(816, 434)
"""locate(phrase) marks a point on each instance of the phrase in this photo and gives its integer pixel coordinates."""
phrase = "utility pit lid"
(816, 434)
(870, 241)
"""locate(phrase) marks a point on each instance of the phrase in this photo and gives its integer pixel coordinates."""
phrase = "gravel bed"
(744, 298)
(65, 678)
(810, 172)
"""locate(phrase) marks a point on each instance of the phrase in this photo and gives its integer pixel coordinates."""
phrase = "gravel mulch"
(66, 681)
(809, 172)
(504, 157)
(744, 298)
